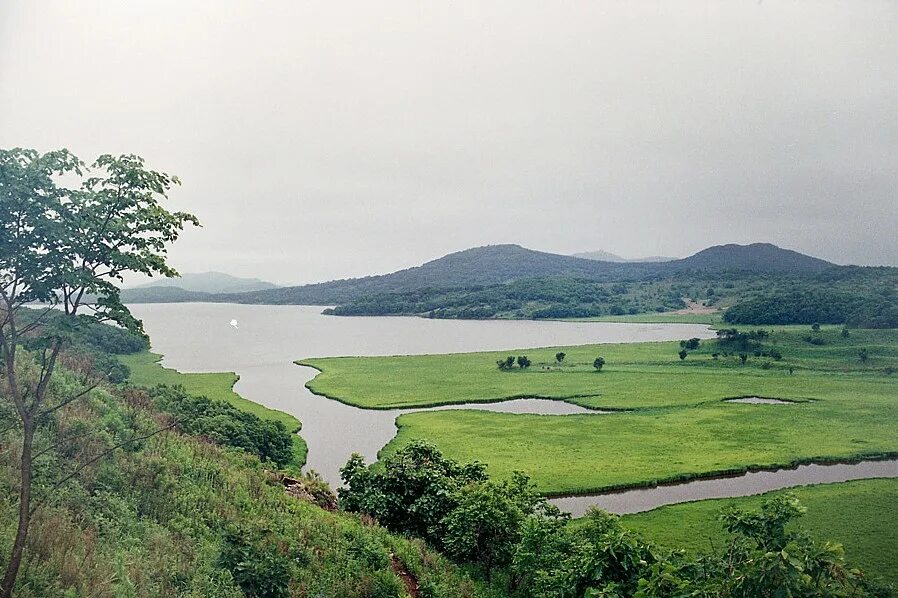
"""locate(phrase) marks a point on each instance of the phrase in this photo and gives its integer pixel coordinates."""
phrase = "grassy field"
(146, 370)
(636, 375)
(712, 319)
(861, 515)
(676, 426)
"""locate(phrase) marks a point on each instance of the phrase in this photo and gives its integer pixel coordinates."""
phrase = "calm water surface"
(753, 482)
(197, 337)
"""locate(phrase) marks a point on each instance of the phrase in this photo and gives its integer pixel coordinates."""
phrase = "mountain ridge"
(503, 263)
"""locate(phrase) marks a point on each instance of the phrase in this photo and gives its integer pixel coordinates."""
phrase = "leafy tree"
(523, 362)
(411, 492)
(863, 355)
(599, 363)
(506, 364)
(743, 357)
(485, 526)
(845, 332)
(683, 353)
(559, 357)
(69, 247)
(815, 327)
(770, 560)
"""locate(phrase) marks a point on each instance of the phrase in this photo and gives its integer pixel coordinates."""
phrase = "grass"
(147, 370)
(636, 375)
(861, 515)
(712, 319)
(676, 426)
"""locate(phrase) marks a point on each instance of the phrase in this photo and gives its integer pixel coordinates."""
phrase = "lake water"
(198, 337)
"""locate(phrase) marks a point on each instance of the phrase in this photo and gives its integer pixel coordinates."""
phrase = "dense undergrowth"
(174, 514)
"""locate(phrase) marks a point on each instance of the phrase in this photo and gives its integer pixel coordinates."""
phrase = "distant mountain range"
(210, 282)
(192, 286)
(601, 255)
(488, 265)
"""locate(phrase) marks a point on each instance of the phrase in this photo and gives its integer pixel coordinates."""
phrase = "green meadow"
(674, 425)
(713, 319)
(861, 515)
(147, 370)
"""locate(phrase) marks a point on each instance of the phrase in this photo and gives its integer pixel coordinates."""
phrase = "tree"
(743, 357)
(523, 362)
(683, 353)
(692, 344)
(410, 491)
(815, 327)
(598, 363)
(68, 247)
(845, 332)
(485, 526)
(863, 355)
(506, 364)
(559, 357)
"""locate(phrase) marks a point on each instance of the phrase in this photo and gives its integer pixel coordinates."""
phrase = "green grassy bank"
(147, 370)
(861, 515)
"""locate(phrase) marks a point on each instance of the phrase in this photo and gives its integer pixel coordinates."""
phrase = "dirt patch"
(409, 580)
(696, 307)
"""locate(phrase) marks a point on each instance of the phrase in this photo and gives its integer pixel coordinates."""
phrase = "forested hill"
(492, 264)
(757, 257)
(499, 264)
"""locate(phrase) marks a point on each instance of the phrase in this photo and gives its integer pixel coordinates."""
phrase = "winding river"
(198, 337)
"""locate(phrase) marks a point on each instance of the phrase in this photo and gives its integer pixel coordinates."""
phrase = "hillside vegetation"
(174, 514)
(860, 514)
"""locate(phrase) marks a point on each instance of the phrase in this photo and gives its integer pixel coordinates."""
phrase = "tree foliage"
(69, 247)
(226, 425)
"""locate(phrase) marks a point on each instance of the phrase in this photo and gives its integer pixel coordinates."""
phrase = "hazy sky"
(318, 140)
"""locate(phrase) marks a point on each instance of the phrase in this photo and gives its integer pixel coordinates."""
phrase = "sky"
(321, 140)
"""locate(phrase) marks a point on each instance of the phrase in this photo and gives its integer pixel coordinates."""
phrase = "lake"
(198, 337)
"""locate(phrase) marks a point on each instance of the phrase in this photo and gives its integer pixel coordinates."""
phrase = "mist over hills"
(606, 256)
(496, 264)
(210, 282)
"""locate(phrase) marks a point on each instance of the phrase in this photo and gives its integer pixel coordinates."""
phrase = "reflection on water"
(198, 337)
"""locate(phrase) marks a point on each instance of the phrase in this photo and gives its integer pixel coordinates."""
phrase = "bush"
(226, 425)
(257, 568)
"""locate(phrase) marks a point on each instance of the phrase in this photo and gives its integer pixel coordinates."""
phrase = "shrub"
(226, 425)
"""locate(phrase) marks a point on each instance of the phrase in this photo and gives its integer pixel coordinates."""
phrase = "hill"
(757, 257)
(210, 282)
(160, 294)
(493, 265)
(500, 264)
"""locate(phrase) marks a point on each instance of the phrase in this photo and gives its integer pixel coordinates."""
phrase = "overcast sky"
(319, 140)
